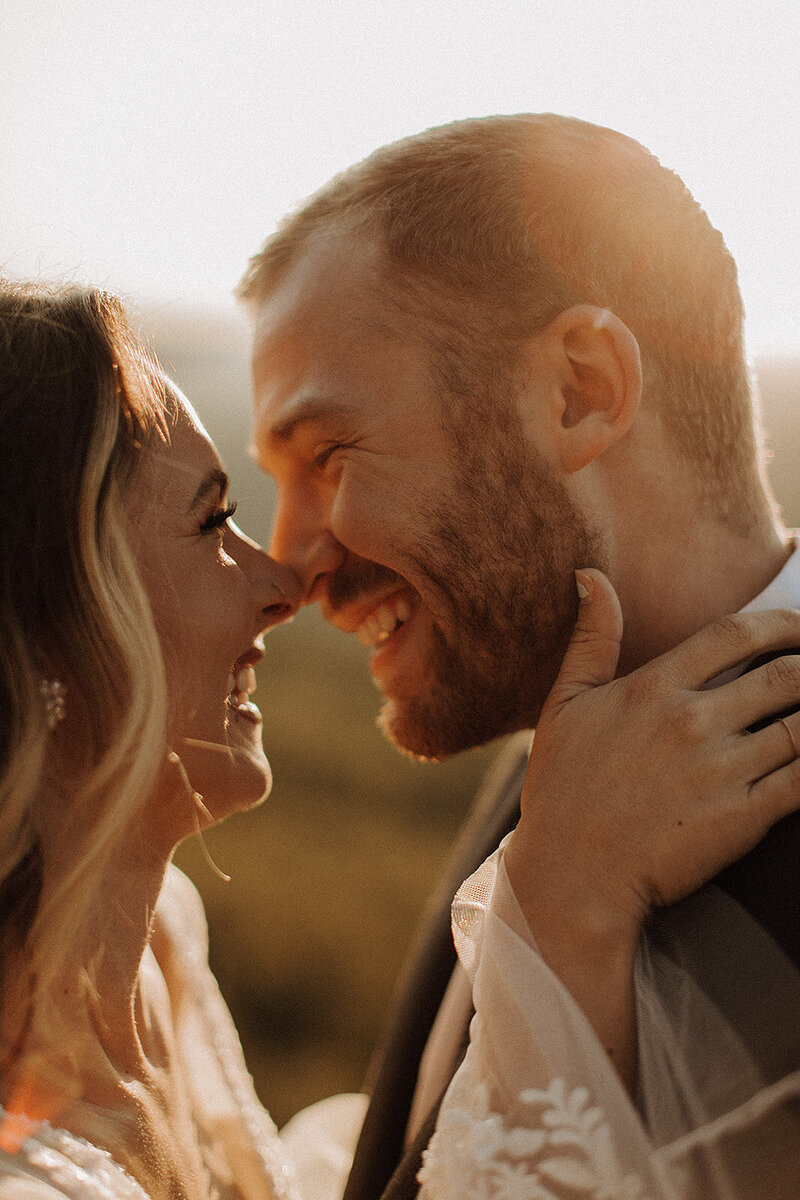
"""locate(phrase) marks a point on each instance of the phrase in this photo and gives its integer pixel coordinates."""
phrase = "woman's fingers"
(730, 641)
(758, 695)
(770, 748)
(593, 652)
(626, 773)
(786, 725)
(753, 700)
(775, 795)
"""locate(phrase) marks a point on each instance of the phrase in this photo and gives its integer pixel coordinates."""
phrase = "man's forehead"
(321, 337)
(337, 270)
(300, 375)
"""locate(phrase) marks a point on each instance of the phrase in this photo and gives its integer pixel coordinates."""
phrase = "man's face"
(445, 542)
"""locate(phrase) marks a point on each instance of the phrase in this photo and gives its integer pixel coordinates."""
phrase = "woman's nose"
(275, 586)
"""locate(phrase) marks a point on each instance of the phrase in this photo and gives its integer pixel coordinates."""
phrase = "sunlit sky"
(150, 145)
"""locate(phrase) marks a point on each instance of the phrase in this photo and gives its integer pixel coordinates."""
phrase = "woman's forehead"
(180, 463)
(181, 411)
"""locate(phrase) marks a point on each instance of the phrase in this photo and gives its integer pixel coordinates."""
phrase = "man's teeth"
(241, 684)
(381, 623)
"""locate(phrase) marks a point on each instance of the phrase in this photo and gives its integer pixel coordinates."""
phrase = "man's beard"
(503, 541)
(503, 546)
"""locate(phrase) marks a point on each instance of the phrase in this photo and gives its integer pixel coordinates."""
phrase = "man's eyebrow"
(215, 480)
(305, 411)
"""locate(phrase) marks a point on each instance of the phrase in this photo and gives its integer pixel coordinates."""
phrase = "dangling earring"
(199, 807)
(55, 704)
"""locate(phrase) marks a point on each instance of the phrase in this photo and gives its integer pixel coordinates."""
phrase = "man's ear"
(597, 382)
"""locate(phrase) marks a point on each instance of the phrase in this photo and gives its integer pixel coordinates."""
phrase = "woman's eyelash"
(217, 519)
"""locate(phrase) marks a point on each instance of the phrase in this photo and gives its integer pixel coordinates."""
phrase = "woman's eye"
(218, 518)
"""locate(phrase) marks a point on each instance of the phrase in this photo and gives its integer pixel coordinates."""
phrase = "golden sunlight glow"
(150, 146)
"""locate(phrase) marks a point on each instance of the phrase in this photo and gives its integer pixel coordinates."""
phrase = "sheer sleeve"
(537, 1110)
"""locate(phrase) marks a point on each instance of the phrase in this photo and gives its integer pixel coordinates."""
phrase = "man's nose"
(302, 541)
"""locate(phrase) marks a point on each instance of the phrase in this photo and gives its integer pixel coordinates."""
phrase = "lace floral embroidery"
(567, 1150)
(72, 1166)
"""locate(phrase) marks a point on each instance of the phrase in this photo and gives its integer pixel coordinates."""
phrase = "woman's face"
(213, 593)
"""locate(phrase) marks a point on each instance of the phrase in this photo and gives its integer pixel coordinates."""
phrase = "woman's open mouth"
(241, 685)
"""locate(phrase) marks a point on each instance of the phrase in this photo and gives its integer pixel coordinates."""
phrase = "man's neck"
(679, 584)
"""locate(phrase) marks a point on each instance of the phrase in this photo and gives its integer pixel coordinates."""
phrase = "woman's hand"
(642, 789)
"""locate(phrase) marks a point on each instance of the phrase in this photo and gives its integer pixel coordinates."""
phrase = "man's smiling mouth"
(379, 625)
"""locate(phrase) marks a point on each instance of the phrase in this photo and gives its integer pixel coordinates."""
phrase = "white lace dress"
(536, 1112)
(244, 1155)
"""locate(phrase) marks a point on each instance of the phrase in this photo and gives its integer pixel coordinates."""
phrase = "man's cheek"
(369, 527)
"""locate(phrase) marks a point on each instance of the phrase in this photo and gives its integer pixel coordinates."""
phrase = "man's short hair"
(516, 218)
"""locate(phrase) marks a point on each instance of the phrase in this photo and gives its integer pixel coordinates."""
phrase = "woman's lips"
(247, 711)
(241, 685)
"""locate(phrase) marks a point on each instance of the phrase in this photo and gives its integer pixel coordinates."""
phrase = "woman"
(133, 612)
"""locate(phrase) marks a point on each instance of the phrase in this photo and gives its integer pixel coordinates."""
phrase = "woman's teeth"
(381, 623)
(241, 684)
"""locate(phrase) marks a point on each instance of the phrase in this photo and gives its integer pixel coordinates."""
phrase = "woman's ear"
(598, 382)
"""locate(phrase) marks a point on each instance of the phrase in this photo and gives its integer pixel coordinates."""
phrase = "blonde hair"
(79, 398)
(493, 226)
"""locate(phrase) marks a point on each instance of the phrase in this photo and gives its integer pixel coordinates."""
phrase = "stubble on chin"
(475, 695)
(505, 556)
(462, 709)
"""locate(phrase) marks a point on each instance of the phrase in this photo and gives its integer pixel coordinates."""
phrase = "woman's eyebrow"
(216, 479)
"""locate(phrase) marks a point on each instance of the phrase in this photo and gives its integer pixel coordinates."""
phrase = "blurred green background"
(330, 875)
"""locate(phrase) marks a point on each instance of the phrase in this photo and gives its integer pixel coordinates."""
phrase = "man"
(485, 357)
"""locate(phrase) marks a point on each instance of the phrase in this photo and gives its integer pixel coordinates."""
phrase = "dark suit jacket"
(380, 1167)
(765, 882)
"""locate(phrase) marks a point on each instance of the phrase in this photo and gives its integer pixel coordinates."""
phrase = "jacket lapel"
(380, 1146)
(766, 882)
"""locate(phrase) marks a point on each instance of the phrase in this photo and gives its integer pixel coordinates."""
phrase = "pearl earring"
(55, 704)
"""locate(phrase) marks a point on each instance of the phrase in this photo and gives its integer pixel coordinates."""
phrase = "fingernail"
(584, 586)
